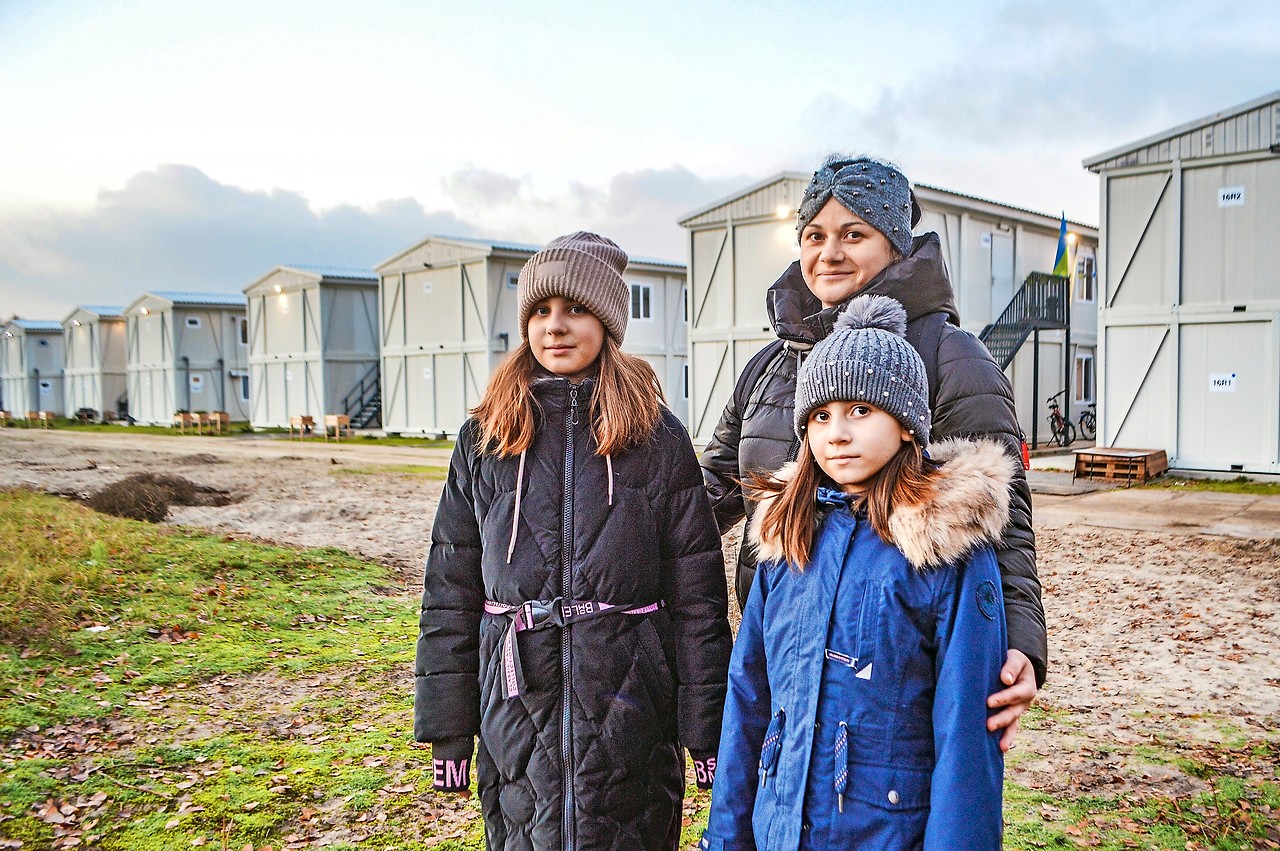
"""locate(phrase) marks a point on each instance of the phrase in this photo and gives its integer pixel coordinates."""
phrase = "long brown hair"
(625, 406)
(791, 516)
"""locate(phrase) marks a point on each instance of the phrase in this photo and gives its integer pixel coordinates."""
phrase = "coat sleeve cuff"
(451, 764)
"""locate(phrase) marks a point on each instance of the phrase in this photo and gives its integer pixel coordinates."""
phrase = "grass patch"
(1240, 484)
(435, 473)
(237, 427)
(177, 689)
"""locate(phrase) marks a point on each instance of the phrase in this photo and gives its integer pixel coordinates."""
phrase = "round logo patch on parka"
(988, 600)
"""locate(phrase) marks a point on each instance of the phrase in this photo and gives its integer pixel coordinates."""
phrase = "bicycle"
(1064, 433)
(1089, 422)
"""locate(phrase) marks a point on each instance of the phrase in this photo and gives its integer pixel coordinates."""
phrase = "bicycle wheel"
(1068, 432)
(1088, 425)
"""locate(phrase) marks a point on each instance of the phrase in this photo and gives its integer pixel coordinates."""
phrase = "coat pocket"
(772, 747)
(889, 788)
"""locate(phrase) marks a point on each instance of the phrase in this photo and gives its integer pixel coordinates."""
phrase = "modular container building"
(448, 314)
(1190, 295)
(96, 374)
(313, 345)
(187, 351)
(33, 364)
(740, 245)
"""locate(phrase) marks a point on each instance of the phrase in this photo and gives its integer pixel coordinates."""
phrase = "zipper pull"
(573, 405)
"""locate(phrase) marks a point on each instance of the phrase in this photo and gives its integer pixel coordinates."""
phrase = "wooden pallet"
(1112, 464)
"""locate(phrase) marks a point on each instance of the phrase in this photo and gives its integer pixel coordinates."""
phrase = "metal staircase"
(364, 403)
(1041, 304)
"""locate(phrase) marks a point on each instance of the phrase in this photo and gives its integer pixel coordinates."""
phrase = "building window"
(685, 388)
(242, 382)
(193, 321)
(244, 332)
(684, 299)
(1084, 379)
(1086, 279)
(513, 280)
(640, 301)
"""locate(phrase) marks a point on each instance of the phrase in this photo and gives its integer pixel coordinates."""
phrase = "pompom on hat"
(867, 358)
(874, 190)
(584, 267)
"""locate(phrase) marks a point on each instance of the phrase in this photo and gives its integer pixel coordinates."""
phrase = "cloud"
(176, 228)
(474, 187)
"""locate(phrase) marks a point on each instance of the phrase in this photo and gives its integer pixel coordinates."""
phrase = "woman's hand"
(1019, 676)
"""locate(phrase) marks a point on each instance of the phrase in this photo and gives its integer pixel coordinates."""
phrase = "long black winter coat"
(971, 398)
(638, 686)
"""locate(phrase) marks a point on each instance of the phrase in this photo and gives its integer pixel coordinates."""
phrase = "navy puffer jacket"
(639, 686)
(971, 398)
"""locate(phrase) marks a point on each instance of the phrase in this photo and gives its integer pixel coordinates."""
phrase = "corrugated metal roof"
(201, 299)
(1245, 128)
(38, 324)
(776, 191)
(520, 247)
(345, 272)
(103, 310)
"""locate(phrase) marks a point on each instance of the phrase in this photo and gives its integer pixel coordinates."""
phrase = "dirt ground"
(1159, 632)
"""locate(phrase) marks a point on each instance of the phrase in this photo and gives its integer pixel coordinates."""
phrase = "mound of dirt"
(147, 496)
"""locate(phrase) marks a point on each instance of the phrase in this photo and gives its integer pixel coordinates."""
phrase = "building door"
(1001, 273)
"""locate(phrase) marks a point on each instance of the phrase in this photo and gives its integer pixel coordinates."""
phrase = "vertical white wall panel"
(1226, 377)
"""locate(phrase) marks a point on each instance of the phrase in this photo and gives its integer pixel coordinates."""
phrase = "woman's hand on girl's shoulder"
(1019, 675)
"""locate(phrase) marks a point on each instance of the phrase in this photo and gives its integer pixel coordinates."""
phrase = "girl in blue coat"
(875, 629)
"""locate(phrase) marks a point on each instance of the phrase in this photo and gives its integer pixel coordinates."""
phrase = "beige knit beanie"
(584, 267)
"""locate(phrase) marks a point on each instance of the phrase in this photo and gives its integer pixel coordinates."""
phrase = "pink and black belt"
(533, 615)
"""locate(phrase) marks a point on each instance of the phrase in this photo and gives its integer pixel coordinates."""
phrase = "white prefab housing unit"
(32, 377)
(187, 352)
(740, 245)
(96, 374)
(313, 345)
(448, 314)
(1190, 293)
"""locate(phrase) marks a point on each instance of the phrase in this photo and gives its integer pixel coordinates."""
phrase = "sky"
(179, 145)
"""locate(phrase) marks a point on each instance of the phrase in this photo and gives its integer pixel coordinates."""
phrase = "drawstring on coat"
(608, 461)
(515, 518)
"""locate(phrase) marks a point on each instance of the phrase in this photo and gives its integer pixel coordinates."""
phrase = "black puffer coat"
(971, 398)
(639, 686)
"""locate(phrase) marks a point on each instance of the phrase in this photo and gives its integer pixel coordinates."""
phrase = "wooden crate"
(1113, 464)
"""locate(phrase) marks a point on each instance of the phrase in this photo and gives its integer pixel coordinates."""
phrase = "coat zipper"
(566, 591)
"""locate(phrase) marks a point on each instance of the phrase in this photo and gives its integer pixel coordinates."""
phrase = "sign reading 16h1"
(1224, 382)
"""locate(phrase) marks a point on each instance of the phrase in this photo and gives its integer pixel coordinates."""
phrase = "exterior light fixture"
(1071, 238)
(783, 211)
(279, 288)
(75, 322)
(144, 311)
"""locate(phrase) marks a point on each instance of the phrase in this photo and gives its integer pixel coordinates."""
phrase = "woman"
(854, 226)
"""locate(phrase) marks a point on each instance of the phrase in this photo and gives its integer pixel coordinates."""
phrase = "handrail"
(368, 382)
(1041, 303)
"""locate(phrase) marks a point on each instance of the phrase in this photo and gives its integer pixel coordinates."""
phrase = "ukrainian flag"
(1061, 262)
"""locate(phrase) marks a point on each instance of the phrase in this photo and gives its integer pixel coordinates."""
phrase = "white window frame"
(646, 302)
(685, 387)
(1086, 278)
(1085, 375)
(242, 329)
(242, 385)
(192, 322)
(513, 280)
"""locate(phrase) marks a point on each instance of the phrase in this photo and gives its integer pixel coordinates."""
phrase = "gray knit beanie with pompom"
(867, 358)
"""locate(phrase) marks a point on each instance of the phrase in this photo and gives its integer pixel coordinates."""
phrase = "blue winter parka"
(856, 712)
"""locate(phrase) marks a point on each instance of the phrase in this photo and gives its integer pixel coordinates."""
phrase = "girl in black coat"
(574, 609)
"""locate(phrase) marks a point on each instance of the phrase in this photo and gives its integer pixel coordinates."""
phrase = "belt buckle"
(536, 613)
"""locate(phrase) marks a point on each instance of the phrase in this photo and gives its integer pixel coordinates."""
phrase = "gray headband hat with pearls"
(584, 267)
(874, 190)
(867, 358)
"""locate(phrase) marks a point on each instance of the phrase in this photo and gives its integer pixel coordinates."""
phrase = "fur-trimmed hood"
(969, 507)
